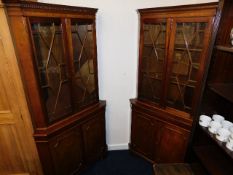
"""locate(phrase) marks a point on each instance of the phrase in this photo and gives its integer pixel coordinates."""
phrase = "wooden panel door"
(17, 148)
(94, 138)
(66, 150)
(84, 63)
(152, 59)
(143, 134)
(51, 67)
(187, 61)
(173, 143)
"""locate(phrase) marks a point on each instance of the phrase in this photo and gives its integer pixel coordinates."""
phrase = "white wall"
(117, 42)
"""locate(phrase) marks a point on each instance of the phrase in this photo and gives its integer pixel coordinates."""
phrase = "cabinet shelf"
(225, 48)
(183, 48)
(222, 145)
(190, 83)
(223, 89)
(214, 161)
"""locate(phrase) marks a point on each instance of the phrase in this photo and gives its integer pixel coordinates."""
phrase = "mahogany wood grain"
(43, 38)
(154, 134)
(217, 97)
(94, 138)
(158, 123)
(213, 160)
(141, 125)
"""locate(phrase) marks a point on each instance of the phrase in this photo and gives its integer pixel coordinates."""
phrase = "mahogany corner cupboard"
(174, 54)
(56, 48)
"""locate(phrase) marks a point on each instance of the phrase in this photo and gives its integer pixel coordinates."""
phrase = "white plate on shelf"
(221, 139)
(231, 149)
(213, 131)
(204, 120)
(203, 124)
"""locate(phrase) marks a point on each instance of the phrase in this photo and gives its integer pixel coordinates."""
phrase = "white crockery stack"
(223, 129)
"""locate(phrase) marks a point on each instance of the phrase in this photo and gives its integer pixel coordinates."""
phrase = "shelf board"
(225, 48)
(214, 161)
(222, 145)
(223, 89)
(175, 48)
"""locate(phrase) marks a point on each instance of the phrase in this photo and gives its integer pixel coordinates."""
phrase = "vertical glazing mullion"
(95, 58)
(170, 38)
(68, 50)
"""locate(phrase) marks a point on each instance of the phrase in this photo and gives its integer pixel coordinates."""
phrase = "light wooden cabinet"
(18, 154)
(173, 54)
(211, 153)
(57, 54)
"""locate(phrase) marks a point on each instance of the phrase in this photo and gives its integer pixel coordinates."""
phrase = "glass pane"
(51, 67)
(188, 49)
(152, 61)
(85, 90)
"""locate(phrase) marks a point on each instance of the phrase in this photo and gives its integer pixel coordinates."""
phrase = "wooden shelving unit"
(223, 89)
(215, 157)
(222, 145)
(215, 162)
(225, 48)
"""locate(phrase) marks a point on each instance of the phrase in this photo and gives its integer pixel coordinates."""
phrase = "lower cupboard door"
(94, 138)
(143, 134)
(66, 150)
(173, 144)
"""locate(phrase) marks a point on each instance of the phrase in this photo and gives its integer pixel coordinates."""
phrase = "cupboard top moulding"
(174, 54)
(57, 54)
(200, 10)
(27, 8)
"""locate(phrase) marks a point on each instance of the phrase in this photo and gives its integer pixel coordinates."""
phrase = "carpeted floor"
(120, 163)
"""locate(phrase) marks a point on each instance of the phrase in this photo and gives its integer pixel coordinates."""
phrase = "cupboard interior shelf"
(225, 48)
(223, 89)
(175, 48)
(214, 160)
(222, 145)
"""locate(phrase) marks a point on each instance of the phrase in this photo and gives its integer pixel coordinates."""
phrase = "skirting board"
(118, 147)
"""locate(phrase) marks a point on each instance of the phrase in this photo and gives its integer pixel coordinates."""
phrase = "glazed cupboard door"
(172, 59)
(51, 66)
(65, 64)
(152, 59)
(83, 63)
(186, 61)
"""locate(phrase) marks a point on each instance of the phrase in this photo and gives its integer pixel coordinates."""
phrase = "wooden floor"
(178, 169)
(173, 169)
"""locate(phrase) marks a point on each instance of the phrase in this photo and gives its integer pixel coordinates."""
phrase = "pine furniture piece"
(173, 56)
(15, 122)
(18, 154)
(56, 48)
(218, 97)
